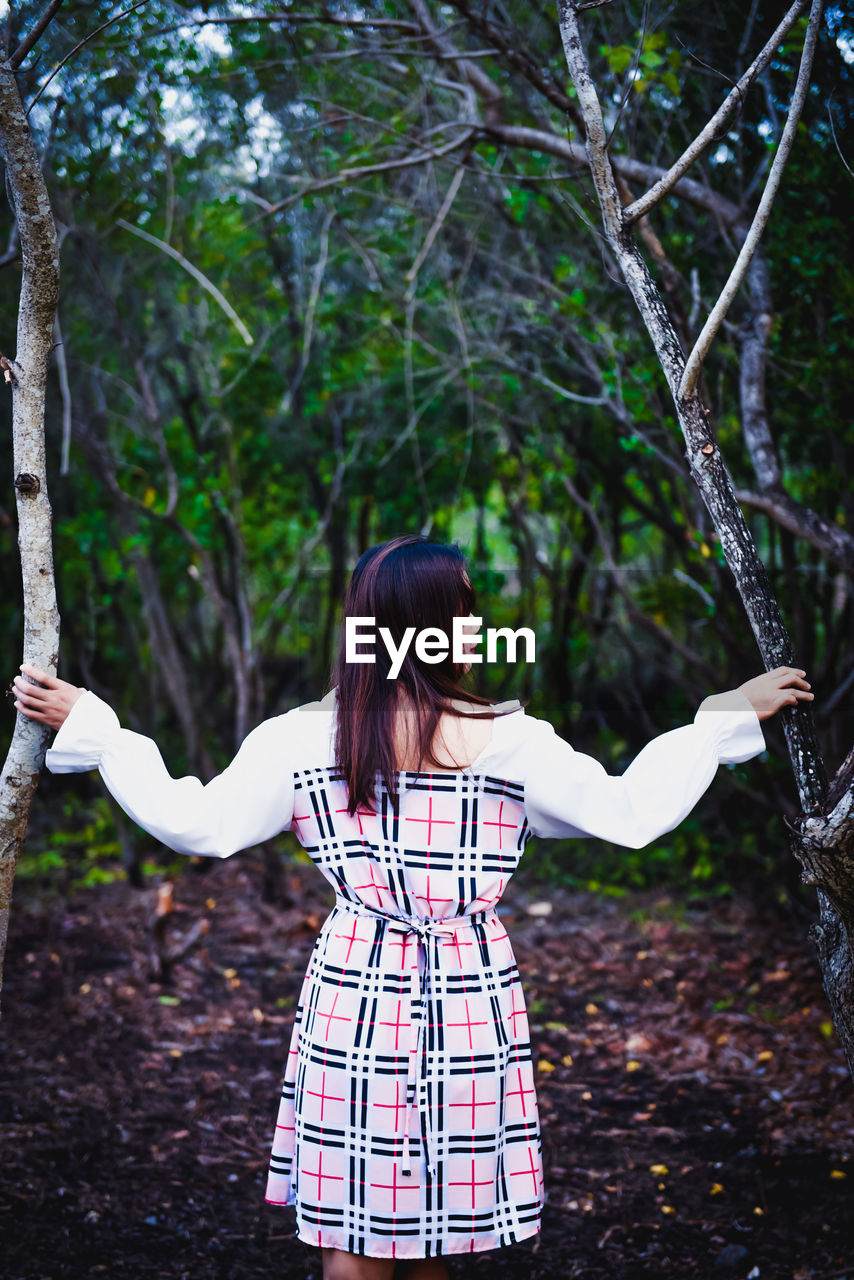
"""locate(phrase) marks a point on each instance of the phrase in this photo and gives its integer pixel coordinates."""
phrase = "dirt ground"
(697, 1113)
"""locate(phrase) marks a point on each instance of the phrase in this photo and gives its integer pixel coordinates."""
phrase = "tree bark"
(704, 457)
(27, 374)
(823, 837)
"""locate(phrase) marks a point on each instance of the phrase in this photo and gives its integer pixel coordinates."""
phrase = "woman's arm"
(570, 794)
(248, 802)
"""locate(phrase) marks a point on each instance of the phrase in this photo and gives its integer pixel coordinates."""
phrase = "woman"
(407, 1127)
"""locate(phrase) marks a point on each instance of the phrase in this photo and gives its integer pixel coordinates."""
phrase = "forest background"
(317, 289)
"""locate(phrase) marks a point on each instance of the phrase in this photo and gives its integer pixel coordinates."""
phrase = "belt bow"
(426, 929)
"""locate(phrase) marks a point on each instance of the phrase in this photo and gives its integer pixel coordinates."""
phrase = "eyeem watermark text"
(432, 644)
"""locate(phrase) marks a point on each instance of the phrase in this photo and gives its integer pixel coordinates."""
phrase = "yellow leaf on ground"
(660, 1169)
(545, 1065)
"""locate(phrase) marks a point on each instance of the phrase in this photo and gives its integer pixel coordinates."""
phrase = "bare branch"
(597, 140)
(80, 44)
(834, 542)
(704, 457)
(845, 163)
(441, 215)
(763, 211)
(477, 78)
(65, 394)
(194, 271)
(318, 19)
(519, 59)
(710, 131)
(310, 311)
(385, 166)
(632, 170)
(27, 43)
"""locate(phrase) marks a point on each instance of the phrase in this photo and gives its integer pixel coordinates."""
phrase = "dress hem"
(468, 1245)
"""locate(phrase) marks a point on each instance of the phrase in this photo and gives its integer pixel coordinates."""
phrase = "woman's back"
(458, 740)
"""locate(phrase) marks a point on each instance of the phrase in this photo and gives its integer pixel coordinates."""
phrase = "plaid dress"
(407, 1125)
(408, 1120)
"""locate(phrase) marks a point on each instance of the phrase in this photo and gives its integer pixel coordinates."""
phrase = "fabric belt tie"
(426, 930)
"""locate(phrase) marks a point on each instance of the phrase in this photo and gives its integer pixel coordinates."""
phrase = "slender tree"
(823, 838)
(26, 376)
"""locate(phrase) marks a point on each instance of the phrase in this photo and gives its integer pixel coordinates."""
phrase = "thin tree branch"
(27, 43)
(310, 311)
(65, 394)
(478, 79)
(519, 59)
(845, 163)
(80, 44)
(444, 210)
(345, 175)
(709, 133)
(704, 457)
(632, 170)
(763, 211)
(194, 271)
(319, 19)
(834, 542)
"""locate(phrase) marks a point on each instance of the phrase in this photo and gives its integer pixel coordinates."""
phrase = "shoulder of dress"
(309, 722)
(507, 708)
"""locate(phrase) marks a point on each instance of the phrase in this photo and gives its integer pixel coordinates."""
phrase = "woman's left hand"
(49, 705)
(782, 687)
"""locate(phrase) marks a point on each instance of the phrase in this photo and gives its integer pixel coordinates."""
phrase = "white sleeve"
(570, 794)
(248, 802)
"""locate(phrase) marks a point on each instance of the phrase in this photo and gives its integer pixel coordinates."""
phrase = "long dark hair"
(410, 581)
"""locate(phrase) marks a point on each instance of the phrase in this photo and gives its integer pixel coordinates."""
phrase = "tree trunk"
(823, 839)
(27, 375)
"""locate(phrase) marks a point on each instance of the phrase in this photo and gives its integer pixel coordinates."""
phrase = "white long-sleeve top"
(566, 792)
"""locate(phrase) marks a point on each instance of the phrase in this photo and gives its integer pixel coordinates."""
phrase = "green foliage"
(458, 397)
(80, 849)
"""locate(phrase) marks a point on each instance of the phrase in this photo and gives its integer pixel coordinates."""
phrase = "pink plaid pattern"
(408, 1122)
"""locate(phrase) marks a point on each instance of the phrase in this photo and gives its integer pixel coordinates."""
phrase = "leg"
(340, 1265)
(424, 1269)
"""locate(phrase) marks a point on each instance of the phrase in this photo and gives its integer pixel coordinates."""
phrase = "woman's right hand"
(783, 687)
(50, 704)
